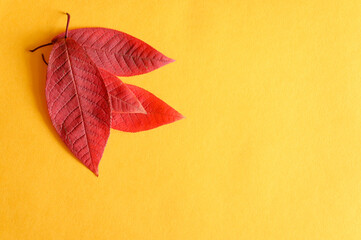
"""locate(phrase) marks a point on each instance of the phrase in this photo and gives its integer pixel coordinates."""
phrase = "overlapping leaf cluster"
(86, 98)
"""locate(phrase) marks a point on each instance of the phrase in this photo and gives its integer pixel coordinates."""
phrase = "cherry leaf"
(78, 102)
(117, 52)
(158, 113)
(122, 98)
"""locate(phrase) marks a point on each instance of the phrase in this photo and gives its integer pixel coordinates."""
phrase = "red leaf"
(117, 52)
(78, 102)
(122, 98)
(158, 113)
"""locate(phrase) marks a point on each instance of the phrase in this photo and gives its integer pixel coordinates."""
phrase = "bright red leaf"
(122, 98)
(78, 102)
(158, 113)
(118, 52)
(83, 95)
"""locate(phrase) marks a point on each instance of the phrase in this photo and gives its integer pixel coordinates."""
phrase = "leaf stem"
(42, 56)
(67, 25)
(44, 45)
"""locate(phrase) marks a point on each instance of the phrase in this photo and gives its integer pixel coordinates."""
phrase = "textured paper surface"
(270, 148)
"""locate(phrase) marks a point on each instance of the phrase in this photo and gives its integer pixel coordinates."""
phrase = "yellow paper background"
(270, 148)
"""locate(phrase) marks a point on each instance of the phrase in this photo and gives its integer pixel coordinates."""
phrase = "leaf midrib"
(78, 99)
(125, 55)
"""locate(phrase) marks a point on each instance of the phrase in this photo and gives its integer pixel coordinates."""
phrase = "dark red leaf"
(78, 102)
(158, 113)
(117, 52)
(122, 98)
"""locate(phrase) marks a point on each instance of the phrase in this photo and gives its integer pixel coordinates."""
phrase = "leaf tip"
(142, 110)
(170, 60)
(180, 117)
(95, 171)
(94, 168)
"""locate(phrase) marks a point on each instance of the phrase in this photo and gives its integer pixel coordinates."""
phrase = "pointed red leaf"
(158, 113)
(78, 102)
(122, 98)
(118, 52)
